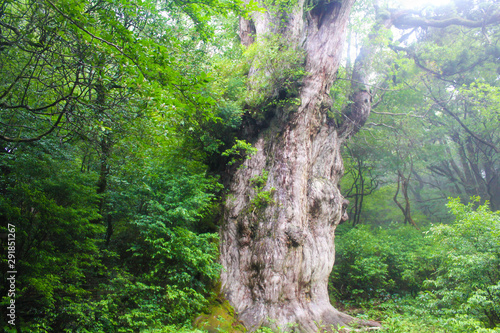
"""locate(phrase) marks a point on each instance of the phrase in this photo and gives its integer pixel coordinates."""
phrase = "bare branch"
(38, 137)
(381, 124)
(94, 36)
(377, 87)
(397, 114)
(54, 125)
(454, 116)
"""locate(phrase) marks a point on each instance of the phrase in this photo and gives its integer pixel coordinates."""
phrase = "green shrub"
(372, 264)
(467, 283)
(53, 207)
(447, 281)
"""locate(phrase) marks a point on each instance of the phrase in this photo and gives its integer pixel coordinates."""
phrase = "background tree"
(416, 82)
(100, 104)
(361, 177)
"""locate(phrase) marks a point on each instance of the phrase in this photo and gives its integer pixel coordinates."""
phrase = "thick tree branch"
(18, 34)
(381, 124)
(406, 19)
(35, 110)
(377, 86)
(411, 54)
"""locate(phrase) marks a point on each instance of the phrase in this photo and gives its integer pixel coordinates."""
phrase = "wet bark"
(277, 240)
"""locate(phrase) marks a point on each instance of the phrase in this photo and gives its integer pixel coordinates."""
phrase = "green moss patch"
(221, 317)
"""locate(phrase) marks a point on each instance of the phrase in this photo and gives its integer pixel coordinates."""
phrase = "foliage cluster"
(261, 198)
(143, 260)
(380, 262)
(240, 150)
(276, 71)
(432, 132)
(448, 275)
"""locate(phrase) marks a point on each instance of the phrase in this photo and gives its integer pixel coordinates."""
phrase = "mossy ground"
(220, 317)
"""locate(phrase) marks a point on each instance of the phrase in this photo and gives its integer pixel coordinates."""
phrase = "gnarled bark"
(277, 241)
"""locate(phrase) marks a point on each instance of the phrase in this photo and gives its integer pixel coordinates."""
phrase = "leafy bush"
(53, 207)
(372, 264)
(447, 281)
(467, 283)
(165, 266)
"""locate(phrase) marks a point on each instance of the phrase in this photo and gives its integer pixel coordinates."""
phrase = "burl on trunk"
(277, 240)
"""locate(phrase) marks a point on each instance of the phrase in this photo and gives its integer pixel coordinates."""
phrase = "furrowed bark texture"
(278, 254)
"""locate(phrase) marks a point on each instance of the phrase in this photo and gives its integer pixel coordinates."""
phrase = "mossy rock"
(220, 318)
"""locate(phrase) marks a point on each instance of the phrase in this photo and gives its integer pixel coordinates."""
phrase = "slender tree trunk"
(277, 241)
(404, 183)
(493, 185)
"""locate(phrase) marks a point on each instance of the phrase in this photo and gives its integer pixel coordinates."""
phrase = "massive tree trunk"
(277, 241)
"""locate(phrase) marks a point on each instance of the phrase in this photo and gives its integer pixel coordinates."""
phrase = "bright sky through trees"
(421, 3)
